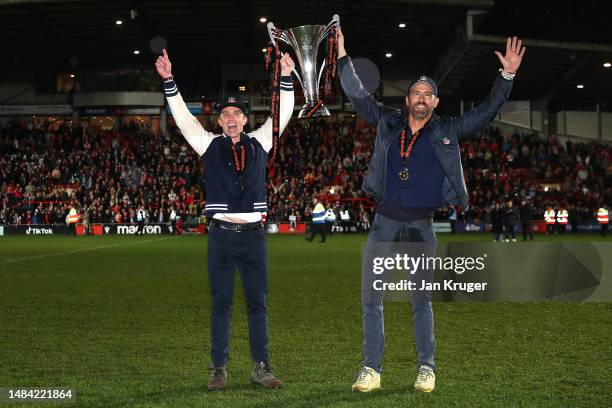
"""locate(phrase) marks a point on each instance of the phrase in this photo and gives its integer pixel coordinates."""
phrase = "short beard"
(420, 115)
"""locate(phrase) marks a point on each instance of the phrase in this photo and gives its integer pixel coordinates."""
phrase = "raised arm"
(287, 100)
(197, 137)
(477, 118)
(363, 103)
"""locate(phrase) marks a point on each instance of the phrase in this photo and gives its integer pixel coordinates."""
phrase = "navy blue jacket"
(226, 190)
(444, 133)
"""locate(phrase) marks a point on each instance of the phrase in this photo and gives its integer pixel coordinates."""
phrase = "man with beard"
(415, 169)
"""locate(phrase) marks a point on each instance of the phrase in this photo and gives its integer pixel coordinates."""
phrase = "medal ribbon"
(405, 154)
(239, 163)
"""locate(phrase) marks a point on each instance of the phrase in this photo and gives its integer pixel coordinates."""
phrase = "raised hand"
(514, 55)
(163, 65)
(340, 40)
(287, 64)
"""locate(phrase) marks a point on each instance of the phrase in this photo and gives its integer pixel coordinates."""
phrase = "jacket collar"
(243, 137)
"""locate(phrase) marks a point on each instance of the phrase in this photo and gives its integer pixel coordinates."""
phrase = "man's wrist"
(286, 83)
(170, 88)
(168, 78)
(507, 74)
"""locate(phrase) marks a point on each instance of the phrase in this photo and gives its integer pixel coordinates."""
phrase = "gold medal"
(404, 175)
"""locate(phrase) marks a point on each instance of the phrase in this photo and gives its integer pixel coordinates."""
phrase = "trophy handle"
(271, 30)
(283, 37)
(320, 73)
(335, 22)
(298, 77)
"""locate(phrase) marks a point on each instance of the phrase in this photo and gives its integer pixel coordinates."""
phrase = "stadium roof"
(452, 40)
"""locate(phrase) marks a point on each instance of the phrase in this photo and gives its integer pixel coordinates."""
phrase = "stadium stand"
(43, 171)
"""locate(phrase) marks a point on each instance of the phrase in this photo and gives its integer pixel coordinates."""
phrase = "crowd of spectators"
(322, 158)
(110, 174)
(523, 166)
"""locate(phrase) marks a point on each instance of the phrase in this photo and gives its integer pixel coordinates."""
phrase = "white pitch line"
(27, 258)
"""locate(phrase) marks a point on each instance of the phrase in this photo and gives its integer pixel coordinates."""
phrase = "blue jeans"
(247, 251)
(385, 229)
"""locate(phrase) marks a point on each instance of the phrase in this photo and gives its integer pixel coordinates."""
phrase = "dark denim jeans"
(385, 229)
(247, 251)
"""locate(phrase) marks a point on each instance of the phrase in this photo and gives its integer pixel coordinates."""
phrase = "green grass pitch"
(125, 322)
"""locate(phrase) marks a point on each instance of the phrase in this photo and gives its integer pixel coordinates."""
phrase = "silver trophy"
(305, 40)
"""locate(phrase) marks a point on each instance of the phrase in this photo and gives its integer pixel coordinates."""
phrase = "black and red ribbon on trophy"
(331, 60)
(273, 54)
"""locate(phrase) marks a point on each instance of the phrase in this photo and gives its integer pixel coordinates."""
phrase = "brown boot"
(218, 379)
(262, 375)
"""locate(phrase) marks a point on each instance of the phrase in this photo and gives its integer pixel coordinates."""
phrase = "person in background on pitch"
(318, 221)
(330, 220)
(603, 220)
(415, 168)
(573, 215)
(509, 221)
(364, 219)
(72, 219)
(345, 219)
(292, 221)
(174, 216)
(452, 218)
(562, 219)
(235, 200)
(550, 217)
(526, 215)
(497, 222)
(86, 220)
(140, 219)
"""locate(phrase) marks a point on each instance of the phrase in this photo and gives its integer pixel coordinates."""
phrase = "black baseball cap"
(423, 79)
(231, 102)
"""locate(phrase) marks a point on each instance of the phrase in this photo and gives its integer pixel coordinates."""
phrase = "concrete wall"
(24, 94)
(584, 124)
(118, 99)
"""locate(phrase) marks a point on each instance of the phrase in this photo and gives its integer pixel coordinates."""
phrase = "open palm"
(514, 55)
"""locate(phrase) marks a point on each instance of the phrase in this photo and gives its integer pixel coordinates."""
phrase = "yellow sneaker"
(367, 380)
(426, 379)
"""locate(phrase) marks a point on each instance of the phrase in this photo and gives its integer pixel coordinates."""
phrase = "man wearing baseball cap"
(415, 169)
(235, 200)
